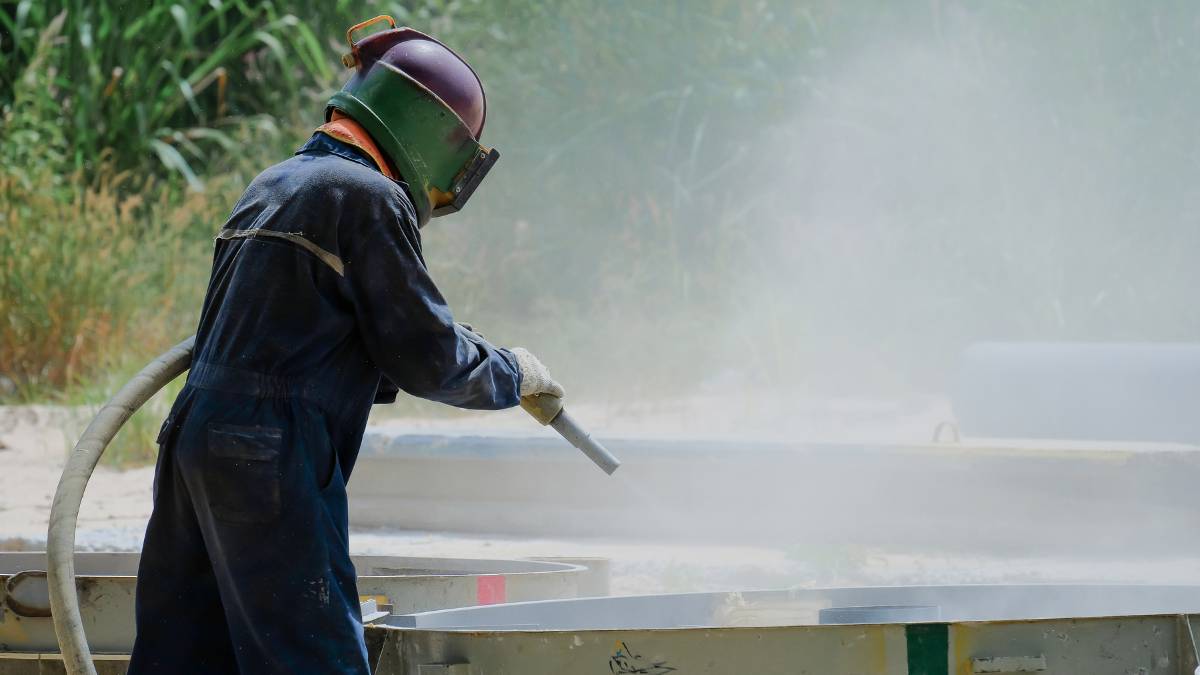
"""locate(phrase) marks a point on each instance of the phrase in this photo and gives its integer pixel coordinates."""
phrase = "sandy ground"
(34, 442)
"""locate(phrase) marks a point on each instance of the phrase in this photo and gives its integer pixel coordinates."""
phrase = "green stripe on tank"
(928, 648)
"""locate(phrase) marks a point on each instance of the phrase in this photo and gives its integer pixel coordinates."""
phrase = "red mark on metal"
(490, 589)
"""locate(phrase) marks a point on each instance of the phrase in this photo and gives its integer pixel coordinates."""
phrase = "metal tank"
(1007, 497)
(924, 630)
(1115, 392)
(386, 584)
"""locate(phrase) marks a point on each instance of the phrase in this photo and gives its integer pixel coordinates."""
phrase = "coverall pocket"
(164, 431)
(241, 473)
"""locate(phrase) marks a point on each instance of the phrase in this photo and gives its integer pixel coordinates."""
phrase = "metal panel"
(26, 663)
(801, 607)
(983, 629)
(1141, 645)
(830, 650)
(106, 583)
(978, 499)
(1079, 390)
(1097, 646)
(1143, 630)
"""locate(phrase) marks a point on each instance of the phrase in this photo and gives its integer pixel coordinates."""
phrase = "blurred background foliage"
(693, 194)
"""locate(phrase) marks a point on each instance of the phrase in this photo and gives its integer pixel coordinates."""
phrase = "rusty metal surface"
(1056, 630)
(25, 624)
(1053, 629)
(32, 663)
(1150, 645)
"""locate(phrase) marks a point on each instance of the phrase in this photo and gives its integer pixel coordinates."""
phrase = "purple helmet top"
(435, 66)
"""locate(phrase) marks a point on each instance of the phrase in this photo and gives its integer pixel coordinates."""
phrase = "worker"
(319, 304)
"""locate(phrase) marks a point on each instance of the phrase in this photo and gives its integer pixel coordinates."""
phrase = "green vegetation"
(127, 135)
(121, 134)
(822, 195)
(112, 120)
(164, 82)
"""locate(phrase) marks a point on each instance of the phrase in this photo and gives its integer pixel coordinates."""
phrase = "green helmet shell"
(432, 148)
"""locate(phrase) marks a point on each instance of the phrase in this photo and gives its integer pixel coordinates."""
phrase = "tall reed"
(160, 86)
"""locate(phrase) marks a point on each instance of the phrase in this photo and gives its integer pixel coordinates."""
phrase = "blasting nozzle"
(548, 410)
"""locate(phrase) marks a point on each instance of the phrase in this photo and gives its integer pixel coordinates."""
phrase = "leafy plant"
(161, 84)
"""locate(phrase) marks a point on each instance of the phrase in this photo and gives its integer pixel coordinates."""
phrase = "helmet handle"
(350, 60)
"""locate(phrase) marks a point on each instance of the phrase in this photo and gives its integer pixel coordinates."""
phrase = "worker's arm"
(408, 329)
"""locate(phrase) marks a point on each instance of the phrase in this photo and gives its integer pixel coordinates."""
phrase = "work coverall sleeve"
(408, 328)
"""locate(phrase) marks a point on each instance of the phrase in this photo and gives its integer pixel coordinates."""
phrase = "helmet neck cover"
(346, 130)
(433, 149)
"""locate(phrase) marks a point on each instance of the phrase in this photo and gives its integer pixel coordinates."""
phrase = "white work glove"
(535, 376)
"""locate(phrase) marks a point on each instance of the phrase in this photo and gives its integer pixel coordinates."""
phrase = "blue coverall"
(319, 304)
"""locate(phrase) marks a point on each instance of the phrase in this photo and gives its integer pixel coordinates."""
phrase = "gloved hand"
(535, 376)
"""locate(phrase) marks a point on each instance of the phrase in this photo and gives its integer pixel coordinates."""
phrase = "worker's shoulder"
(327, 192)
(315, 171)
(328, 178)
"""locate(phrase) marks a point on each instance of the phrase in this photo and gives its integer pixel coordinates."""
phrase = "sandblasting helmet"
(424, 107)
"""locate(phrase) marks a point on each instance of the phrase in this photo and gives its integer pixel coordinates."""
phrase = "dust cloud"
(795, 233)
(839, 199)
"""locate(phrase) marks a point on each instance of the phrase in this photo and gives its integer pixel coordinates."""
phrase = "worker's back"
(280, 312)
